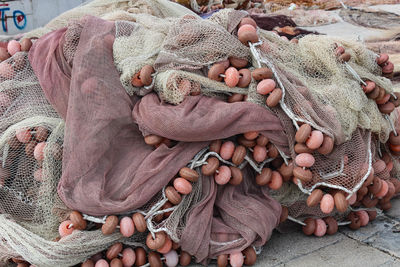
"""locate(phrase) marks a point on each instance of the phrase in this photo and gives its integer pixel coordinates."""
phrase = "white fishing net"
(318, 88)
(28, 188)
(32, 210)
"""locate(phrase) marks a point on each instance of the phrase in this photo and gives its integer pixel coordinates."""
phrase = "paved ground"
(377, 244)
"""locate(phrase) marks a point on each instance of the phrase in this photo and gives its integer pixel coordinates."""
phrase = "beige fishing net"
(174, 45)
(318, 90)
(28, 186)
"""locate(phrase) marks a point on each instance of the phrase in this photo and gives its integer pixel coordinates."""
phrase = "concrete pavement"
(377, 244)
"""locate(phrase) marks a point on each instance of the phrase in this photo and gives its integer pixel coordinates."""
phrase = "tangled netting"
(72, 127)
(326, 4)
(26, 114)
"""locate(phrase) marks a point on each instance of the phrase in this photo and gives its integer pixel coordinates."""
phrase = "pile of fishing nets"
(137, 133)
(262, 6)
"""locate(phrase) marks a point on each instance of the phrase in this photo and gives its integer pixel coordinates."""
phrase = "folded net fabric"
(99, 120)
(107, 167)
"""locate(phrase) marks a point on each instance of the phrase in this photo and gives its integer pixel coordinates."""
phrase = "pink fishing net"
(230, 218)
(107, 167)
(99, 119)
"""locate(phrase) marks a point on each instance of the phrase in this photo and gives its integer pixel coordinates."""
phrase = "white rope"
(295, 220)
(256, 167)
(326, 176)
(302, 223)
(387, 117)
(94, 219)
(361, 209)
(152, 212)
(354, 73)
(153, 81)
(284, 156)
(343, 5)
(195, 7)
(378, 148)
(197, 157)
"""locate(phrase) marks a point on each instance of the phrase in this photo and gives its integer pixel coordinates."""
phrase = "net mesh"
(20, 242)
(188, 43)
(28, 190)
(29, 201)
(319, 90)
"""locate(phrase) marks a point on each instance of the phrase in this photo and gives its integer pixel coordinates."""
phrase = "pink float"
(320, 228)
(236, 259)
(276, 181)
(127, 228)
(384, 190)
(266, 86)
(183, 186)
(246, 28)
(315, 140)
(166, 247)
(231, 77)
(259, 153)
(227, 150)
(128, 257)
(13, 47)
(171, 258)
(305, 160)
(64, 229)
(23, 135)
(327, 203)
(38, 153)
(101, 263)
(223, 176)
(363, 216)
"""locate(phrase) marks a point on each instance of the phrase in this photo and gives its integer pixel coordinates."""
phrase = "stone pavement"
(377, 244)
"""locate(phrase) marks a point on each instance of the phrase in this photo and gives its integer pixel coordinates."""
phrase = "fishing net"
(325, 4)
(370, 19)
(310, 18)
(76, 86)
(333, 107)
(28, 190)
(322, 96)
(86, 95)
